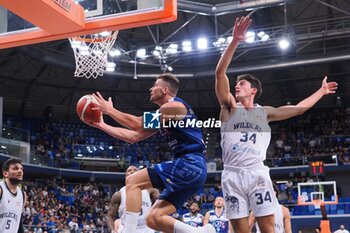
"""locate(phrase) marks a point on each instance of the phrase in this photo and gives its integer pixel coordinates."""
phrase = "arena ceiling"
(38, 77)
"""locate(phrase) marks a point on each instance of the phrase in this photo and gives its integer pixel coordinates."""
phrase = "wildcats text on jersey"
(247, 125)
(9, 215)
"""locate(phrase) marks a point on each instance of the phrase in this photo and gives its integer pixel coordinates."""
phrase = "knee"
(151, 220)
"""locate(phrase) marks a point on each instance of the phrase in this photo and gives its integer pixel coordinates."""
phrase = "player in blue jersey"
(217, 217)
(193, 218)
(181, 177)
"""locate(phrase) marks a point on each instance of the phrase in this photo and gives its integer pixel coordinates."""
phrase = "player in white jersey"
(245, 136)
(193, 218)
(217, 217)
(12, 198)
(282, 218)
(118, 206)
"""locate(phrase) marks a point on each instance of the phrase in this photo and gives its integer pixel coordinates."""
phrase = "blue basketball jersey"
(195, 221)
(220, 223)
(185, 140)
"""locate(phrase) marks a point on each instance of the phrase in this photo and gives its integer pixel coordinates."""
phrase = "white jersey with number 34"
(245, 137)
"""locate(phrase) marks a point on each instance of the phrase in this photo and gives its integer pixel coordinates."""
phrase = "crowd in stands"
(54, 206)
(317, 135)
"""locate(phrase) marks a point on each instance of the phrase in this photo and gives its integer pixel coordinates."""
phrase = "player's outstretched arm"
(288, 111)
(286, 220)
(126, 135)
(113, 209)
(125, 119)
(222, 84)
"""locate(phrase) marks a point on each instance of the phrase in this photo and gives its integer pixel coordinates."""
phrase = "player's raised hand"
(329, 87)
(241, 26)
(105, 106)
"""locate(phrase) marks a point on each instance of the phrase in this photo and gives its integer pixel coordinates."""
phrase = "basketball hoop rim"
(96, 40)
(302, 202)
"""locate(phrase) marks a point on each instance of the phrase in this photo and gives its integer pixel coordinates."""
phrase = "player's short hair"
(254, 82)
(171, 80)
(197, 203)
(6, 165)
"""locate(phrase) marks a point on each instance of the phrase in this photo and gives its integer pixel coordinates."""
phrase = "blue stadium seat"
(340, 211)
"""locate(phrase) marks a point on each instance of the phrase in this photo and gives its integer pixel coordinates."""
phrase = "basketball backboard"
(46, 20)
(325, 192)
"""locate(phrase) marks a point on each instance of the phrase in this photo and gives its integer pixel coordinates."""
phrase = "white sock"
(131, 221)
(181, 227)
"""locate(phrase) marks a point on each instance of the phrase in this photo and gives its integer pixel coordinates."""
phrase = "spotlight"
(141, 53)
(220, 43)
(284, 43)
(250, 37)
(114, 53)
(172, 49)
(156, 53)
(263, 36)
(110, 67)
(202, 43)
(105, 33)
(76, 44)
(187, 46)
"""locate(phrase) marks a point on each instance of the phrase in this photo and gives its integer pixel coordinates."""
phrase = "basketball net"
(317, 203)
(91, 52)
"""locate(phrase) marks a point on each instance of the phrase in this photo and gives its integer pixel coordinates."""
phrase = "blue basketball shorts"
(180, 178)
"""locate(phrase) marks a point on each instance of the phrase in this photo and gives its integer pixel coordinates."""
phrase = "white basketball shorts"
(248, 188)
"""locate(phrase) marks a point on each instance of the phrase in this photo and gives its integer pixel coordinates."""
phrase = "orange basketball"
(84, 109)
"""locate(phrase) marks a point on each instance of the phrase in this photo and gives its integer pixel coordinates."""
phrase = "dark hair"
(254, 82)
(171, 80)
(6, 165)
(196, 202)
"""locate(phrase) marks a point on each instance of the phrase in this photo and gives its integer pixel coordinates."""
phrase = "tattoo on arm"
(113, 209)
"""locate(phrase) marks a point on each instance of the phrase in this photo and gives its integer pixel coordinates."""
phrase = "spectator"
(341, 230)
(193, 218)
(73, 225)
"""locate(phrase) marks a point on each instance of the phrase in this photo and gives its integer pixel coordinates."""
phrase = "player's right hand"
(240, 29)
(105, 106)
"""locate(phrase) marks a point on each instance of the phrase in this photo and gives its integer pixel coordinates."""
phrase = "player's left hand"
(240, 28)
(329, 88)
(99, 124)
(105, 106)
